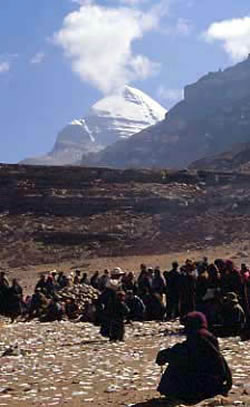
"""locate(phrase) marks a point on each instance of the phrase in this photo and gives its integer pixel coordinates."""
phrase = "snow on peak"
(130, 104)
(114, 117)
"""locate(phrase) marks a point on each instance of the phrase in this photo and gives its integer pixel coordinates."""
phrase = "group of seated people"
(219, 290)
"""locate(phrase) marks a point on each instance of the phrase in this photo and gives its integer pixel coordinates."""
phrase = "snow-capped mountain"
(112, 118)
(213, 118)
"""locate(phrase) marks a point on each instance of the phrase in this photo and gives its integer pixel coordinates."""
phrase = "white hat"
(117, 271)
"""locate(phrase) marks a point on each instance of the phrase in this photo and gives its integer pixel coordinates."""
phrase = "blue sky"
(57, 57)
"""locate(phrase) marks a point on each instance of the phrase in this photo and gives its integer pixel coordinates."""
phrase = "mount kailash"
(112, 118)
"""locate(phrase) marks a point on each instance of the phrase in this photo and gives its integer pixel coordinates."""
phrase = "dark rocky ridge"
(55, 214)
(236, 159)
(214, 115)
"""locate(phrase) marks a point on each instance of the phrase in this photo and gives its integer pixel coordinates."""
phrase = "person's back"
(158, 283)
(4, 282)
(94, 280)
(196, 368)
(187, 291)
(118, 314)
(172, 278)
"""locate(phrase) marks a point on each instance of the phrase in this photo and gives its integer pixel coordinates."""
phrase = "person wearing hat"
(196, 369)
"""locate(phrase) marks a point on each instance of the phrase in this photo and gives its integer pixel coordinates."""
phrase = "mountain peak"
(113, 117)
(214, 115)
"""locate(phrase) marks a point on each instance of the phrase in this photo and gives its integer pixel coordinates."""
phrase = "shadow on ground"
(152, 403)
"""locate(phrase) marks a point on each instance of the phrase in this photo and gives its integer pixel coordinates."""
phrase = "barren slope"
(57, 214)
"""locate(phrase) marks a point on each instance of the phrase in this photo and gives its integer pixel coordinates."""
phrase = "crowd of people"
(210, 298)
(219, 289)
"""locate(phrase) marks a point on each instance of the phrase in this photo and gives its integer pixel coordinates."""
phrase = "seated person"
(232, 315)
(71, 309)
(136, 307)
(196, 370)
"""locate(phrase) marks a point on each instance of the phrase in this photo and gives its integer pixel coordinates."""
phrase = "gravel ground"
(67, 364)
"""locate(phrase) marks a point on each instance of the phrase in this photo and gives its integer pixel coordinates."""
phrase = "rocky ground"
(67, 364)
(58, 215)
(70, 364)
(93, 219)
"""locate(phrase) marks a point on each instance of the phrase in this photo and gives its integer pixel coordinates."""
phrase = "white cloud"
(170, 95)
(183, 26)
(180, 27)
(99, 40)
(233, 34)
(4, 67)
(37, 58)
(133, 2)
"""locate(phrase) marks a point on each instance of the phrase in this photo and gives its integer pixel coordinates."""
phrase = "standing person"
(104, 306)
(84, 279)
(15, 296)
(117, 318)
(245, 278)
(94, 280)
(187, 290)
(129, 283)
(77, 277)
(196, 370)
(172, 278)
(231, 279)
(4, 289)
(50, 285)
(104, 280)
(145, 281)
(158, 283)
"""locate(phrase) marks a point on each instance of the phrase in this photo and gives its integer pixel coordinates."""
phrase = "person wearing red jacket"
(196, 369)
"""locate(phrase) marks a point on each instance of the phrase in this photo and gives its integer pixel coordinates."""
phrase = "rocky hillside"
(236, 159)
(214, 115)
(51, 214)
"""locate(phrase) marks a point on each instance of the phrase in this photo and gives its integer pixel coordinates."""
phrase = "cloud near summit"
(98, 40)
(234, 36)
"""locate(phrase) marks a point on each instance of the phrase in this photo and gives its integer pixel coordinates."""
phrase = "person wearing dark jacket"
(15, 297)
(117, 317)
(172, 278)
(196, 370)
(136, 307)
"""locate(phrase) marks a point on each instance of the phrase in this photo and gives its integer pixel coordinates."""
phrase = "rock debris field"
(68, 364)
